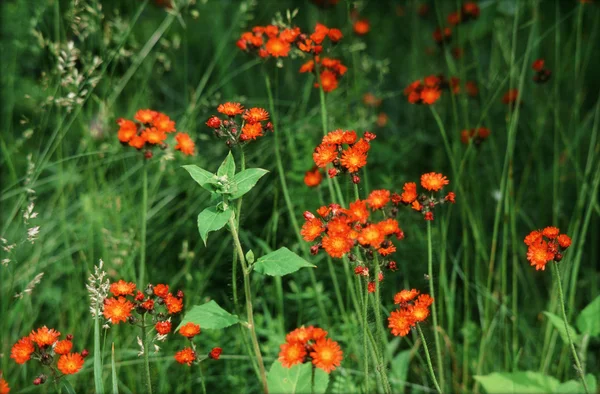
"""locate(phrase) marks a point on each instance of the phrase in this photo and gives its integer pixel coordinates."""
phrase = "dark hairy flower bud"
(308, 215)
(314, 249)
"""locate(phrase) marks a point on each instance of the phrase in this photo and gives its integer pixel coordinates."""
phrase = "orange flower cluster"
(310, 344)
(189, 355)
(126, 299)
(425, 202)
(4, 387)
(45, 346)
(429, 90)
(151, 130)
(313, 178)
(250, 128)
(349, 159)
(511, 97)
(412, 310)
(330, 71)
(542, 74)
(546, 245)
(469, 11)
(477, 135)
(275, 41)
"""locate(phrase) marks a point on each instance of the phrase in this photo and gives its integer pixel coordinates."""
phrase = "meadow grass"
(539, 167)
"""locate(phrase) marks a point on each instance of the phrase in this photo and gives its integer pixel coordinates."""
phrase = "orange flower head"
(410, 193)
(325, 154)
(271, 31)
(127, 129)
(300, 335)
(307, 67)
(44, 336)
(312, 229)
(433, 181)
(511, 96)
(277, 47)
(317, 333)
(326, 354)
(378, 199)
(454, 18)
(471, 88)
(353, 159)
(185, 144)
(538, 64)
(337, 246)
(335, 137)
(430, 95)
(137, 141)
(362, 145)
(538, 255)
(431, 81)
(419, 313)
(550, 232)
(185, 356)
(230, 109)
(251, 131)
(163, 327)
(4, 387)
(424, 299)
(292, 354)
(254, 115)
(163, 123)
(533, 237)
(389, 226)
(335, 35)
(290, 35)
(189, 330)
(358, 211)
(70, 363)
(63, 347)
(153, 136)
(174, 304)
(400, 322)
(161, 290)
(371, 235)
(324, 211)
(122, 288)
(117, 309)
(361, 27)
(564, 241)
(405, 296)
(21, 351)
(416, 206)
(338, 226)
(329, 81)
(450, 197)
(386, 251)
(145, 116)
(313, 178)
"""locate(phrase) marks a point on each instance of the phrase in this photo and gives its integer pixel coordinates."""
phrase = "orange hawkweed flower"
(550, 232)
(430, 95)
(312, 229)
(433, 181)
(137, 142)
(371, 235)
(154, 136)
(325, 154)
(215, 353)
(277, 47)
(353, 159)
(189, 330)
(185, 356)
(174, 304)
(336, 246)
(63, 347)
(163, 327)
(327, 355)
(313, 178)
(533, 237)
(539, 255)
(161, 290)
(424, 299)
(122, 288)
(127, 129)
(400, 322)
(410, 193)
(564, 241)
(361, 27)
(538, 64)
(419, 313)
(117, 309)
(292, 354)
(387, 250)
(4, 387)
(358, 211)
(329, 81)
(185, 144)
(70, 363)
(230, 109)
(163, 123)
(389, 226)
(300, 334)
(254, 115)
(511, 96)
(335, 35)
(44, 336)
(378, 199)
(145, 116)
(22, 350)
(405, 296)
(251, 131)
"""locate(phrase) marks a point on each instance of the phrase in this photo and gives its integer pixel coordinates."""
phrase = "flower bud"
(308, 215)
(148, 154)
(355, 179)
(215, 353)
(85, 353)
(314, 250)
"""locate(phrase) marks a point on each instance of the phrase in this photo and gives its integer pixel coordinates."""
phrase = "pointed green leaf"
(113, 368)
(297, 379)
(209, 316)
(250, 257)
(227, 167)
(246, 180)
(212, 219)
(400, 365)
(588, 321)
(576, 387)
(559, 324)
(280, 262)
(201, 176)
(518, 382)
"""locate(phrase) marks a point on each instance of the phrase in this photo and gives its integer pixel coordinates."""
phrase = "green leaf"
(297, 379)
(201, 176)
(400, 365)
(280, 262)
(250, 257)
(113, 368)
(575, 386)
(588, 321)
(209, 316)
(246, 180)
(518, 382)
(559, 324)
(227, 167)
(67, 386)
(212, 219)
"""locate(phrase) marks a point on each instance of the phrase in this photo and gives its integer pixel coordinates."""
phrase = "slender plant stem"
(146, 356)
(564, 316)
(98, 382)
(249, 309)
(380, 334)
(428, 357)
(365, 322)
(438, 349)
(202, 378)
(142, 269)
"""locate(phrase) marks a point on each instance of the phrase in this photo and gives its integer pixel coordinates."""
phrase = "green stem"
(98, 383)
(142, 269)
(567, 330)
(428, 357)
(380, 334)
(202, 378)
(366, 335)
(438, 349)
(146, 356)
(249, 309)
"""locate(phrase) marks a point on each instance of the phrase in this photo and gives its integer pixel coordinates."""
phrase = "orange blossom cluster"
(189, 355)
(250, 128)
(469, 11)
(546, 245)
(310, 344)
(330, 71)
(425, 202)
(477, 135)
(412, 310)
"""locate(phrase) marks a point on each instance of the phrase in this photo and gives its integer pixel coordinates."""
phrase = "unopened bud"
(308, 215)
(85, 353)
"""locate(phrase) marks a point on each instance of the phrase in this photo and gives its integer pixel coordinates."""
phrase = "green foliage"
(588, 321)
(212, 219)
(244, 181)
(559, 324)
(297, 379)
(280, 262)
(209, 316)
(530, 382)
